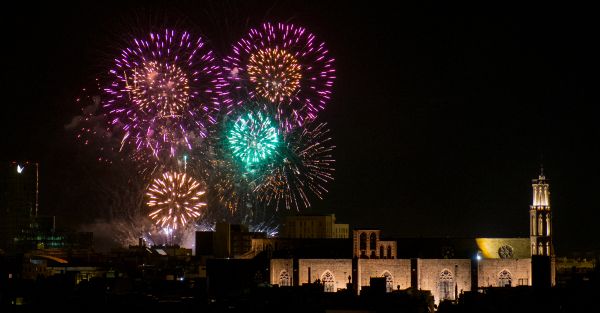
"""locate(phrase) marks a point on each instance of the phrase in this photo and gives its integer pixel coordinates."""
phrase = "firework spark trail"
(307, 166)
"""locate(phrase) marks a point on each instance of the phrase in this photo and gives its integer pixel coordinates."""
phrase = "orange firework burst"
(174, 199)
(275, 73)
(160, 89)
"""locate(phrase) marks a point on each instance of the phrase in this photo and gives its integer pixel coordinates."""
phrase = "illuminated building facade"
(445, 266)
(541, 218)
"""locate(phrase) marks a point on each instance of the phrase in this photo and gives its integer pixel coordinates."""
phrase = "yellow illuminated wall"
(489, 247)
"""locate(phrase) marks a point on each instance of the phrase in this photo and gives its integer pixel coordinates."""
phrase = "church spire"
(541, 216)
(541, 192)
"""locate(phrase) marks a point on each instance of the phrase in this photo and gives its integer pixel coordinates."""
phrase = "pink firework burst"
(164, 92)
(285, 65)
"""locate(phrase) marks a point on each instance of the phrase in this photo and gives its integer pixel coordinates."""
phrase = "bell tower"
(540, 218)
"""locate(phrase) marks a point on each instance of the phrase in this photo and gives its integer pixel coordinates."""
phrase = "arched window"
(541, 249)
(504, 278)
(381, 256)
(547, 225)
(540, 226)
(533, 225)
(328, 281)
(389, 281)
(446, 284)
(363, 241)
(284, 278)
(389, 252)
(373, 241)
(547, 248)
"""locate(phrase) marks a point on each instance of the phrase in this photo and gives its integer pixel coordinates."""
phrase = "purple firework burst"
(285, 65)
(164, 92)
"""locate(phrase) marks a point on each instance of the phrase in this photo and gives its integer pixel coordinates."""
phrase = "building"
(18, 199)
(367, 245)
(576, 271)
(227, 241)
(21, 227)
(313, 226)
(445, 266)
(307, 236)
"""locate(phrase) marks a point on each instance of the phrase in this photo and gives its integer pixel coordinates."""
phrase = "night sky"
(441, 114)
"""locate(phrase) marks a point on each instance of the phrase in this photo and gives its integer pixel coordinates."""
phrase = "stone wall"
(399, 269)
(339, 268)
(444, 277)
(490, 270)
(277, 268)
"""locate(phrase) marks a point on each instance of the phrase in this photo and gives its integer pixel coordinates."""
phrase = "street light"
(478, 258)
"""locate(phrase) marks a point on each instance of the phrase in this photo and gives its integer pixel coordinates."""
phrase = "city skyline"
(441, 117)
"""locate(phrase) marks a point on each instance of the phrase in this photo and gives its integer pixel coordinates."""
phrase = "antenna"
(542, 164)
(37, 187)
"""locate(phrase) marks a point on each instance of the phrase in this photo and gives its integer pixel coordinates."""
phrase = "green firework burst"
(253, 139)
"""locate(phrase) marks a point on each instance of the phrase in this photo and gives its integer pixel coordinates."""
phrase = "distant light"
(478, 257)
(20, 169)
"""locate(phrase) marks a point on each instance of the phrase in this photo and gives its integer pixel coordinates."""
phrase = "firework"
(226, 187)
(275, 73)
(253, 138)
(91, 128)
(246, 145)
(282, 64)
(174, 199)
(164, 92)
(307, 166)
(269, 227)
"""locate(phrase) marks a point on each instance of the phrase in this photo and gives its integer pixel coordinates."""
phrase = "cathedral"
(444, 266)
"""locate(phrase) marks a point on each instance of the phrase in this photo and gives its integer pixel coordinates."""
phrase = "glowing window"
(328, 281)
(284, 278)
(504, 279)
(445, 285)
(389, 281)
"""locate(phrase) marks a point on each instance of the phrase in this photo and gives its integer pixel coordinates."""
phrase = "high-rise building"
(21, 227)
(18, 198)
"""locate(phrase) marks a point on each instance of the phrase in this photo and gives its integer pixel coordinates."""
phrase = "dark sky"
(441, 114)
